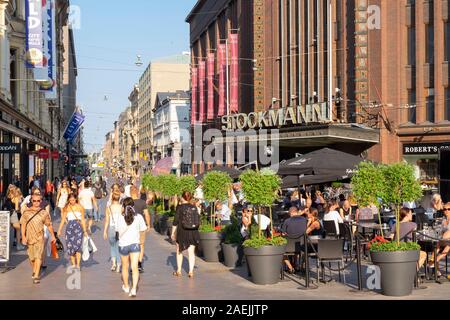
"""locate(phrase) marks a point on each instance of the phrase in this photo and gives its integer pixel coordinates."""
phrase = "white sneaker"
(118, 268)
(126, 290)
(133, 293)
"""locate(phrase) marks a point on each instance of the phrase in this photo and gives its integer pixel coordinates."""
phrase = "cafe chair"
(346, 233)
(330, 250)
(293, 248)
(330, 228)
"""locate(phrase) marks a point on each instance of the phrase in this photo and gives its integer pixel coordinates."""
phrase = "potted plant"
(264, 255)
(232, 246)
(215, 188)
(150, 184)
(397, 260)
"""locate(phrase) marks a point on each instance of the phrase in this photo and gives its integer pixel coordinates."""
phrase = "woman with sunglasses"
(73, 215)
(62, 197)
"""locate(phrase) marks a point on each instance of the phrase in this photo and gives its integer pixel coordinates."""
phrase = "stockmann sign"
(313, 113)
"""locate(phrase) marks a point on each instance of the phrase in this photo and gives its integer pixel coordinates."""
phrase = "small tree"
(167, 186)
(150, 182)
(215, 188)
(187, 184)
(368, 185)
(400, 185)
(261, 188)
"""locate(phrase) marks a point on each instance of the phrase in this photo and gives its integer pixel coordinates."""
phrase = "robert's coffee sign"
(424, 148)
(10, 148)
(315, 113)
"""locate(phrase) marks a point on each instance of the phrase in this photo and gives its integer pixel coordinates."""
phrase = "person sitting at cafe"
(250, 222)
(333, 215)
(293, 228)
(223, 213)
(314, 227)
(443, 252)
(346, 211)
(407, 227)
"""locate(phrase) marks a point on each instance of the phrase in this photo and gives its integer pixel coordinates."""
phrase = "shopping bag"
(92, 246)
(85, 255)
(55, 254)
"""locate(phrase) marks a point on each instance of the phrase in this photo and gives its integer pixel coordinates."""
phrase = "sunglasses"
(446, 209)
(35, 201)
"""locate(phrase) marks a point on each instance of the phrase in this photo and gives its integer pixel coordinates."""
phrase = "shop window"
(428, 170)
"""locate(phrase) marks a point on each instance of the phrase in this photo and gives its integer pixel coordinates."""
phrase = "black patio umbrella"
(234, 173)
(295, 181)
(321, 162)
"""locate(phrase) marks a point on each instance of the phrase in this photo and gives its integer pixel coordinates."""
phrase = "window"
(412, 45)
(429, 35)
(447, 41)
(430, 109)
(447, 104)
(412, 111)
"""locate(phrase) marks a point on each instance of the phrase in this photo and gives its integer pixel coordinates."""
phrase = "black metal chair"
(293, 248)
(330, 228)
(330, 250)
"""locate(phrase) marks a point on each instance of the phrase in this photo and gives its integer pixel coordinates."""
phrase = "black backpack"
(190, 219)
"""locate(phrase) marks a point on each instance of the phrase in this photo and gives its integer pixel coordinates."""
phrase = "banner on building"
(194, 86)
(48, 85)
(55, 155)
(211, 70)
(10, 148)
(34, 34)
(234, 73)
(201, 75)
(221, 56)
(74, 126)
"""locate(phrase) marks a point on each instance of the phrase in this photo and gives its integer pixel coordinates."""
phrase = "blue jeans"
(89, 213)
(114, 244)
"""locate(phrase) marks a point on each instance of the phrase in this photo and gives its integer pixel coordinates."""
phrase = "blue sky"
(110, 36)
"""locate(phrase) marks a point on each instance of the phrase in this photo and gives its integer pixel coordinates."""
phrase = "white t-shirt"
(129, 235)
(199, 194)
(334, 216)
(265, 221)
(115, 214)
(85, 198)
(127, 191)
(225, 213)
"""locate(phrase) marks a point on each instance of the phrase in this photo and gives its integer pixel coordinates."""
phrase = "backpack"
(190, 219)
(98, 192)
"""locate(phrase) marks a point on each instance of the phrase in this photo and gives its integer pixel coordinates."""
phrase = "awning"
(234, 173)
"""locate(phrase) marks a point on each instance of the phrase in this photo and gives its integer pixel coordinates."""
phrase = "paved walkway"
(212, 280)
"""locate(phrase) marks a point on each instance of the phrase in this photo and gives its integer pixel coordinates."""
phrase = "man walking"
(140, 207)
(89, 203)
(32, 227)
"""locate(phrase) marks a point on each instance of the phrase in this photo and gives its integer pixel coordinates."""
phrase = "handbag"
(55, 254)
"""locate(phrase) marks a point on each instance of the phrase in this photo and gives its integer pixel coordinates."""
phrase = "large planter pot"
(210, 244)
(163, 226)
(156, 222)
(398, 270)
(232, 254)
(265, 263)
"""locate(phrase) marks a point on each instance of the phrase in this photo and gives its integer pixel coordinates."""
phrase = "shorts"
(36, 250)
(89, 213)
(133, 248)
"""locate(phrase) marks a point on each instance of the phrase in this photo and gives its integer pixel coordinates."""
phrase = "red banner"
(44, 153)
(210, 86)
(234, 73)
(55, 155)
(194, 86)
(221, 56)
(201, 75)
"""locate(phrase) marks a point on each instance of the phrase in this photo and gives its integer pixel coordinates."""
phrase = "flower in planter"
(218, 228)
